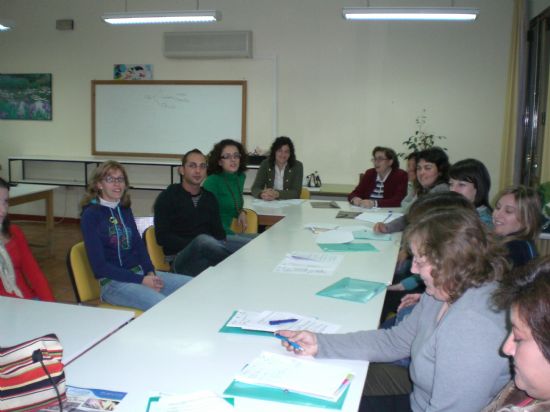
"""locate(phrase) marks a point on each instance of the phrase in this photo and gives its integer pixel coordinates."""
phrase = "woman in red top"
(385, 185)
(20, 275)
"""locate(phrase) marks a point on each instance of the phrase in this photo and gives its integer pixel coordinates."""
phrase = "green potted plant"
(421, 139)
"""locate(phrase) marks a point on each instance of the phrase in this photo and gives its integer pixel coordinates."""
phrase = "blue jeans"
(136, 295)
(203, 251)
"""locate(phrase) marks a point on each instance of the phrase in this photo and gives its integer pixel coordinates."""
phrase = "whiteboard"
(165, 118)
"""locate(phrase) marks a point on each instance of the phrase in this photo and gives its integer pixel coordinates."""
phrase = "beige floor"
(54, 266)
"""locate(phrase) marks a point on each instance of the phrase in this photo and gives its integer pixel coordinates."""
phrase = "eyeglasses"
(111, 179)
(378, 159)
(229, 156)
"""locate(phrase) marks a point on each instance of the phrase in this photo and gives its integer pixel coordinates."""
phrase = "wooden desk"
(177, 344)
(77, 327)
(334, 189)
(25, 193)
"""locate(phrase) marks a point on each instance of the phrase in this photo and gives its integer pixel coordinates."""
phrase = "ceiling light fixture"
(6, 25)
(166, 17)
(410, 13)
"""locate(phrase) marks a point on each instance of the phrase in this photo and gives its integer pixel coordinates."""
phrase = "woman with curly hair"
(226, 168)
(453, 334)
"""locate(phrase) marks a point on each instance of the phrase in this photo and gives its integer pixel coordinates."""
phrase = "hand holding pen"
(300, 342)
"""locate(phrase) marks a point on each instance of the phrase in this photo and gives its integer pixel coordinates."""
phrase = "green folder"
(355, 290)
(230, 329)
(267, 393)
(347, 247)
(369, 235)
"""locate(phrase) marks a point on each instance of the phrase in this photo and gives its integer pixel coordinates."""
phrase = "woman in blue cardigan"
(116, 252)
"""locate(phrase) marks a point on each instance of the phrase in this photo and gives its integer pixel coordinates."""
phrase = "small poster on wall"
(26, 96)
(133, 72)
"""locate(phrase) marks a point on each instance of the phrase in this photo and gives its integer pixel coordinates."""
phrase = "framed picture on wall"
(26, 96)
(133, 72)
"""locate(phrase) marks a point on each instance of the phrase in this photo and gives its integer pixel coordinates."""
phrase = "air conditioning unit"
(208, 44)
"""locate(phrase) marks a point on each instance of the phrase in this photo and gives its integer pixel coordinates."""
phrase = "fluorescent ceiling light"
(166, 17)
(6, 25)
(409, 13)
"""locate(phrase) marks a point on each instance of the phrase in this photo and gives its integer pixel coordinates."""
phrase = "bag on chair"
(24, 383)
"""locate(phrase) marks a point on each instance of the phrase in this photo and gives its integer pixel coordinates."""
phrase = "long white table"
(77, 327)
(175, 347)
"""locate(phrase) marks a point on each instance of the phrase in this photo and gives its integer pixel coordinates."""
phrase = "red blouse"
(28, 276)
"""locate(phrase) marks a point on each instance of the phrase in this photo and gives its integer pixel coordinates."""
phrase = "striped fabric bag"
(24, 384)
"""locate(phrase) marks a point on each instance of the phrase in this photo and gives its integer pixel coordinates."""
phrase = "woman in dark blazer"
(280, 175)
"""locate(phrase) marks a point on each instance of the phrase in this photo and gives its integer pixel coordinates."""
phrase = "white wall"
(340, 88)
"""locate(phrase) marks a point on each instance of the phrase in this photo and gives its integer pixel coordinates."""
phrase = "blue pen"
(387, 217)
(281, 321)
(285, 339)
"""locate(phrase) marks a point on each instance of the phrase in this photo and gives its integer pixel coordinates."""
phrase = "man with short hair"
(187, 220)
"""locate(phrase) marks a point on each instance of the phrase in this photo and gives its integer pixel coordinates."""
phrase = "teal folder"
(355, 290)
(347, 247)
(266, 393)
(230, 329)
(365, 234)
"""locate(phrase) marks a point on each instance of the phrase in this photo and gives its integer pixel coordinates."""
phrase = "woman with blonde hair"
(453, 335)
(115, 249)
(516, 220)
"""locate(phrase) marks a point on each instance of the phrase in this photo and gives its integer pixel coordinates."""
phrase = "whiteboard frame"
(128, 83)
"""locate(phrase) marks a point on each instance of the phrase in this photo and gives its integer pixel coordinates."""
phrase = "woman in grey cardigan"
(453, 335)
(280, 175)
(432, 173)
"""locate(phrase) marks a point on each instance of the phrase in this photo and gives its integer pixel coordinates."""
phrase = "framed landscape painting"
(26, 96)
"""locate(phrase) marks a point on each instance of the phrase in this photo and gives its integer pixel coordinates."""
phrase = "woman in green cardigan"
(226, 167)
(280, 175)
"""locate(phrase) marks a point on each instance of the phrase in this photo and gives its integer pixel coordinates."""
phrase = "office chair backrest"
(305, 194)
(251, 220)
(85, 285)
(155, 250)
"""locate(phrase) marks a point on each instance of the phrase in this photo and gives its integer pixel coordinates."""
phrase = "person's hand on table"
(380, 228)
(356, 201)
(242, 220)
(367, 203)
(269, 194)
(152, 281)
(306, 340)
(409, 300)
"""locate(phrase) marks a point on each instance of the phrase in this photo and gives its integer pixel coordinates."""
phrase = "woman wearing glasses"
(385, 185)
(226, 167)
(280, 175)
(114, 247)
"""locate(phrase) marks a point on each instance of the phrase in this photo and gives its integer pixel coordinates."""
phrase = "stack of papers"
(276, 204)
(375, 217)
(278, 377)
(271, 321)
(309, 263)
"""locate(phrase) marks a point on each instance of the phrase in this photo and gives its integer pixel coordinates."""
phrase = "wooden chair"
(155, 250)
(251, 220)
(85, 285)
(305, 194)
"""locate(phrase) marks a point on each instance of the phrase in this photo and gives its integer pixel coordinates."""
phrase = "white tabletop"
(176, 347)
(77, 327)
(23, 189)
